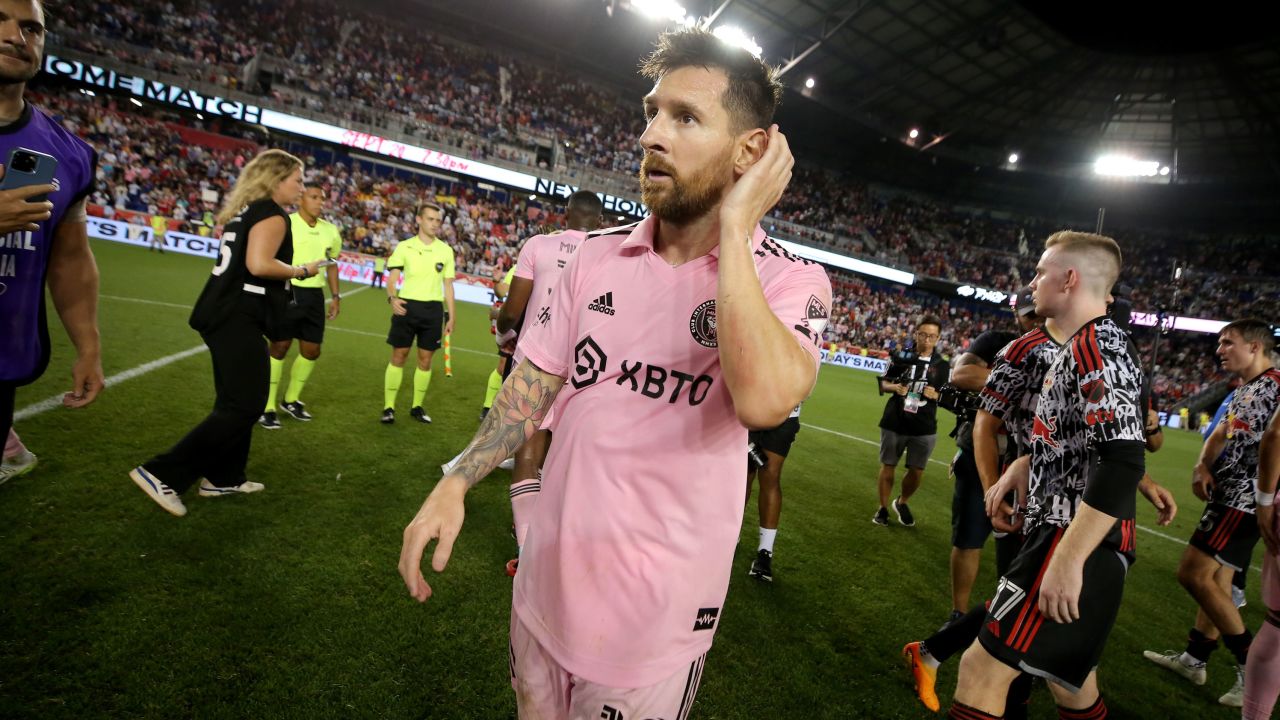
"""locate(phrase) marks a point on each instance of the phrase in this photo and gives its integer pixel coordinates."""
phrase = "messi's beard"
(684, 201)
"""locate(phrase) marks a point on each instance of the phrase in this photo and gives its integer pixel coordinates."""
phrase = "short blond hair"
(1094, 247)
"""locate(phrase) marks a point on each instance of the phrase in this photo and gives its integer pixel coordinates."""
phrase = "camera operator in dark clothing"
(910, 424)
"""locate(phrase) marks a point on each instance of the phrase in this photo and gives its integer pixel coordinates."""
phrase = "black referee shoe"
(388, 416)
(420, 415)
(269, 421)
(296, 410)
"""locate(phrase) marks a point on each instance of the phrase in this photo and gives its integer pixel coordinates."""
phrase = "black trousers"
(8, 396)
(218, 448)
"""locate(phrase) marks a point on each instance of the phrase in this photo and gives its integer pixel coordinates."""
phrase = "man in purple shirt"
(42, 241)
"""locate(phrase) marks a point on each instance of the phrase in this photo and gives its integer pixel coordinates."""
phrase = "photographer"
(909, 424)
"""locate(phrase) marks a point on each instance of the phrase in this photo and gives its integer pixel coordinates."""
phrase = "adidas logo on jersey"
(603, 304)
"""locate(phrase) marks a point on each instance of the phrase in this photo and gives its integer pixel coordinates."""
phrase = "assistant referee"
(426, 264)
(314, 239)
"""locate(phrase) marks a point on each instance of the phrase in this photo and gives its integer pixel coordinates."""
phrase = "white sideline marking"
(1157, 533)
(56, 401)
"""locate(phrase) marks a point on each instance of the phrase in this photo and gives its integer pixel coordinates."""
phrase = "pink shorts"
(546, 691)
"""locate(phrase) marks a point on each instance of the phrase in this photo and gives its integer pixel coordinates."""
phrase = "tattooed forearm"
(517, 411)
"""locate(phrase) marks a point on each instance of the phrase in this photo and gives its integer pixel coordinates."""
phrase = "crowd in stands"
(346, 62)
(148, 167)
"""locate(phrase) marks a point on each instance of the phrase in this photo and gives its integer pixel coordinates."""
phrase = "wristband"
(1262, 497)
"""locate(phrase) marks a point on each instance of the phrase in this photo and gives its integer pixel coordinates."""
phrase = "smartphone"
(26, 168)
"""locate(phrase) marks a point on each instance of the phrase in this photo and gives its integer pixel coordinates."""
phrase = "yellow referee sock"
(421, 381)
(277, 368)
(298, 375)
(391, 385)
(491, 392)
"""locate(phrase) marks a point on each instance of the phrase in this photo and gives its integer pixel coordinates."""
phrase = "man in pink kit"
(662, 343)
(543, 259)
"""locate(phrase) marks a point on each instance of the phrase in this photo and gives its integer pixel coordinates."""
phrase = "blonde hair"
(1094, 247)
(258, 180)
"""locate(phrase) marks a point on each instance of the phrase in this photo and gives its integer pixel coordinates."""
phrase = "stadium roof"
(980, 78)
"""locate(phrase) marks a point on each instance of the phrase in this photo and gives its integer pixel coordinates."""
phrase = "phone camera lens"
(24, 163)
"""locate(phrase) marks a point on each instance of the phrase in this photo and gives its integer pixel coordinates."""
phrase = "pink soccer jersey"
(626, 565)
(542, 260)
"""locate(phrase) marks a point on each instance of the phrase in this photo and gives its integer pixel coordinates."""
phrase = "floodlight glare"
(913, 134)
(661, 10)
(1164, 170)
(1013, 158)
(737, 37)
(1124, 166)
(809, 83)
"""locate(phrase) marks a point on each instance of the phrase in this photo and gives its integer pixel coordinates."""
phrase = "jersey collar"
(642, 237)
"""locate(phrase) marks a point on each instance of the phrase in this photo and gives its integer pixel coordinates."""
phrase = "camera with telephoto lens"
(963, 403)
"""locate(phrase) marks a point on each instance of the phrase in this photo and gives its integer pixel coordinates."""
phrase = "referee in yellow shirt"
(313, 239)
(426, 263)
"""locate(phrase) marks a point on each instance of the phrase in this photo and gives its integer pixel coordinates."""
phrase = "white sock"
(766, 539)
(1190, 661)
(928, 659)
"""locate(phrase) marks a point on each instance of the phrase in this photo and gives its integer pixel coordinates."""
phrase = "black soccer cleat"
(388, 416)
(881, 517)
(420, 415)
(296, 410)
(762, 566)
(269, 420)
(904, 513)
(483, 412)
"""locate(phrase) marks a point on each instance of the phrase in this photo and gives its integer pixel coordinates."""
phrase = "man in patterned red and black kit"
(1055, 606)
(1225, 477)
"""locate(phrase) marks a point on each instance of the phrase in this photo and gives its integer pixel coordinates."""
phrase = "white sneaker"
(508, 464)
(1237, 597)
(1235, 696)
(164, 495)
(15, 465)
(1177, 662)
(208, 489)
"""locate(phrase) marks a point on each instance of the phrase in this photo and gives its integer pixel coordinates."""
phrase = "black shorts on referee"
(1018, 635)
(1227, 535)
(304, 318)
(423, 323)
(777, 440)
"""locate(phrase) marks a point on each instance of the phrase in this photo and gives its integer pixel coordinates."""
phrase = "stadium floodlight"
(663, 10)
(136, 101)
(1013, 158)
(1164, 170)
(1125, 166)
(533, 197)
(809, 83)
(737, 37)
(913, 134)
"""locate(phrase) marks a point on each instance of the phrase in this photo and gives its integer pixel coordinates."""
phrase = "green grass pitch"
(287, 603)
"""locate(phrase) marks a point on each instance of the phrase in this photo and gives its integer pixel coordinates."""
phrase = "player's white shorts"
(546, 691)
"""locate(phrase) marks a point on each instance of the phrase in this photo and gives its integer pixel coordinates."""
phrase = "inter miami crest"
(702, 324)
